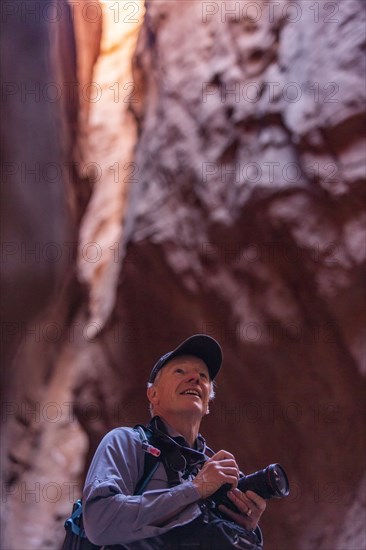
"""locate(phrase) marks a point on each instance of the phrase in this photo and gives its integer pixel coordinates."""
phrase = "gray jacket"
(112, 514)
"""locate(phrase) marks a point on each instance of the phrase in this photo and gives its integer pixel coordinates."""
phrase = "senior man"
(129, 505)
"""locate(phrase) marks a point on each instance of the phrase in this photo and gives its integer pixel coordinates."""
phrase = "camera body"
(271, 482)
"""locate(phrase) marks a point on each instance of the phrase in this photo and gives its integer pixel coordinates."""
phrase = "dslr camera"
(271, 482)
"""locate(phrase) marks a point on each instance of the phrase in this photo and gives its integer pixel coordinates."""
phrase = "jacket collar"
(176, 442)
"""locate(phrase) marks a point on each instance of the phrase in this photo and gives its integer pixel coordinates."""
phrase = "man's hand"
(251, 508)
(219, 469)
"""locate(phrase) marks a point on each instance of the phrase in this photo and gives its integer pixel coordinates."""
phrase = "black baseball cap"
(199, 345)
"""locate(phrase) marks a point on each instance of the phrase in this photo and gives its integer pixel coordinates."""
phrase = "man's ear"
(152, 395)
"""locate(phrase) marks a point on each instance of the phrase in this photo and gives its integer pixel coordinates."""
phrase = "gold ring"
(249, 512)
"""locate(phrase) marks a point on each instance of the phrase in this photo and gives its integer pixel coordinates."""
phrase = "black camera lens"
(271, 482)
(278, 481)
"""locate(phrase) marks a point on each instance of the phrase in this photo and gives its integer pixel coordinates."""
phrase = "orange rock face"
(242, 216)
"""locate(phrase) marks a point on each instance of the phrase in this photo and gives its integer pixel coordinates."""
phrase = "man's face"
(182, 386)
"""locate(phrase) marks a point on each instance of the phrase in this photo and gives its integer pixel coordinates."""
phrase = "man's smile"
(193, 392)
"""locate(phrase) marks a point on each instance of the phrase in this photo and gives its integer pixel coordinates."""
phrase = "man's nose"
(193, 377)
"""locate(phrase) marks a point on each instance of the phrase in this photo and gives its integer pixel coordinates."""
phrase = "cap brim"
(199, 345)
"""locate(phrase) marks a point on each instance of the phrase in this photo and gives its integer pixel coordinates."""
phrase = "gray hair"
(151, 384)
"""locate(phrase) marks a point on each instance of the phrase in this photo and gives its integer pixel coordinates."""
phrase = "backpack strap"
(153, 457)
(74, 524)
(151, 462)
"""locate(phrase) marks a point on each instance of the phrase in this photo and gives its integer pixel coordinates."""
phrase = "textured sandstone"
(40, 205)
(108, 150)
(266, 240)
(245, 221)
(37, 203)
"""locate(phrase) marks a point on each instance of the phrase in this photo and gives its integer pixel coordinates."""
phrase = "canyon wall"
(217, 186)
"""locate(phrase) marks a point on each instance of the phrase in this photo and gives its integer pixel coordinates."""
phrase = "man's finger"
(222, 454)
(228, 511)
(258, 501)
(247, 522)
(229, 463)
(240, 500)
(229, 470)
(232, 480)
